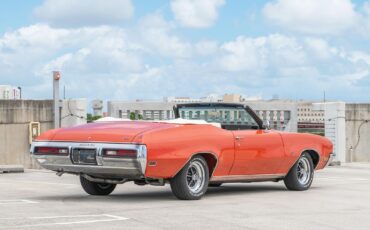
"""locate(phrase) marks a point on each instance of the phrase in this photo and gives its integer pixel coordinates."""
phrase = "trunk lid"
(118, 131)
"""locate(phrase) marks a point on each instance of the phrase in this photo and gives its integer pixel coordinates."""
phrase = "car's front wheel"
(96, 189)
(301, 174)
(191, 182)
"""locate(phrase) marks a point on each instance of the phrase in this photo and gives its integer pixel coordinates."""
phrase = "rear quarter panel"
(296, 143)
(172, 148)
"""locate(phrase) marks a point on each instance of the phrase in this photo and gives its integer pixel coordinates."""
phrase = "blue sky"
(122, 49)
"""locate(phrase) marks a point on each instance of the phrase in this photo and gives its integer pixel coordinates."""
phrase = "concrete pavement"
(339, 199)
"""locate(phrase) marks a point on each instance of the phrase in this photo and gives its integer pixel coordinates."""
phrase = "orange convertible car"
(208, 144)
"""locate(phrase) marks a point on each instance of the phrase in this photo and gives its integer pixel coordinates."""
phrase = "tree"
(90, 118)
(135, 116)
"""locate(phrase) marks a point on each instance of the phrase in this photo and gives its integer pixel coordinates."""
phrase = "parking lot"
(339, 199)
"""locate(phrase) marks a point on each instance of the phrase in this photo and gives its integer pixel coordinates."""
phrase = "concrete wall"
(73, 112)
(358, 132)
(335, 123)
(15, 116)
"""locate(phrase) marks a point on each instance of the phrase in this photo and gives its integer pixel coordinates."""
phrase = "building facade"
(281, 114)
(308, 114)
(8, 92)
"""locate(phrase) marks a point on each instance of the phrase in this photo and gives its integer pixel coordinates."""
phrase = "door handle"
(238, 138)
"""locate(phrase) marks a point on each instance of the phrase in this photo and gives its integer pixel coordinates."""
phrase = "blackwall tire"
(96, 189)
(191, 182)
(301, 175)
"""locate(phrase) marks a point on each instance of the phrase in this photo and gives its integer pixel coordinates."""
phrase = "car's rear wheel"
(96, 189)
(301, 174)
(191, 182)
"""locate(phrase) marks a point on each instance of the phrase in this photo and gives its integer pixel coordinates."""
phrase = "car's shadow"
(166, 194)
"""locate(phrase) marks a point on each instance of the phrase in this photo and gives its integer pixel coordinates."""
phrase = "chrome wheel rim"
(195, 177)
(303, 171)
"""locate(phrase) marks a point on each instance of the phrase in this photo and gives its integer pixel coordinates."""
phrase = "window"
(231, 118)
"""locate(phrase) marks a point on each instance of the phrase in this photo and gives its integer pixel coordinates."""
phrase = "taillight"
(129, 153)
(51, 151)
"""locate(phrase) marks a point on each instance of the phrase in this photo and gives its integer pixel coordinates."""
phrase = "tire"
(215, 185)
(187, 185)
(300, 176)
(96, 189)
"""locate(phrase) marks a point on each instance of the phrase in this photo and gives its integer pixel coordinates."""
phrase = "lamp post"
(56, 78)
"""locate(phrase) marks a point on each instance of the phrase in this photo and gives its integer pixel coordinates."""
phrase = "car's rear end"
(107, 149)
(108, 160)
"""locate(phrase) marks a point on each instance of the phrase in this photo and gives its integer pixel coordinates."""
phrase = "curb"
(335, 163)
(11, 169)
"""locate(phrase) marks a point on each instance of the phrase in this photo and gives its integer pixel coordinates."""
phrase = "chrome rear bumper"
(129, 168)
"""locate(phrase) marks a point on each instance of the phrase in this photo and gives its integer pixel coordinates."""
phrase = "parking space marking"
(4, 202)
(36, 182)
(341, 178)
(106, 218)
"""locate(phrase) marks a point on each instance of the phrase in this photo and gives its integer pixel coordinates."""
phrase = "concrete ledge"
(11, 169)
(335, 163)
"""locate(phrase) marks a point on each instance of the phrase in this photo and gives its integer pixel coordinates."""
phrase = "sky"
(140, 49)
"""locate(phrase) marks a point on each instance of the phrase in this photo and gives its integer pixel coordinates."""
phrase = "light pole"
(56, 78)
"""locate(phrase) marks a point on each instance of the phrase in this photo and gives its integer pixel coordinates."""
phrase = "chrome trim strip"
(243, 178)
(142, 157)
(87, 145)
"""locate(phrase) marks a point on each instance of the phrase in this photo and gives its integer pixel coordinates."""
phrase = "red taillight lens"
(51, 151)
(129, 153)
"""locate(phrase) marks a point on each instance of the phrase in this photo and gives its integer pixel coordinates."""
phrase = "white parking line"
(341, 178)
(78, 216)
(2, 202)
(35, 182)
(108, 218)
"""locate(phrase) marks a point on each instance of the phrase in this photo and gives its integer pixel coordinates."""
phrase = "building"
(179, 100)
(281, 114)
(149, 110)
(306, 113)
(8, 92)
(97, 106)
(310, 119)
(232, 98)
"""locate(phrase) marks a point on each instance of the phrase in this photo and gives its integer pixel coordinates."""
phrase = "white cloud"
(206, 47)
(359, 56)
(243, 54)
(258, 54)
(196, 13)
(156, 34)
(320, 48)
(312, 16)
(72, 13)
(150, 61)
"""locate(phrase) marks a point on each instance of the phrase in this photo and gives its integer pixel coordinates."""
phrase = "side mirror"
(266, 125)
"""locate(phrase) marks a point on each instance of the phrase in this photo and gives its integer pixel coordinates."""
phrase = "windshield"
(224, 115)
